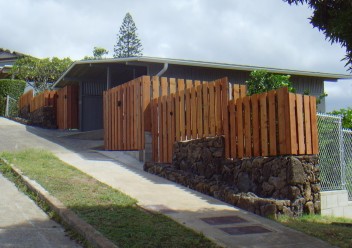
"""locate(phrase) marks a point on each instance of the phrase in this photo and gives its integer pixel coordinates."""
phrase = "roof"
(227, 66)
(8, 55)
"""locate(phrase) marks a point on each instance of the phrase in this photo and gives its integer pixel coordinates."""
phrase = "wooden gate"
(67, 107)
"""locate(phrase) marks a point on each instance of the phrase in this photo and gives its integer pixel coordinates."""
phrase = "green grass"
(111, 212)
(324, 227)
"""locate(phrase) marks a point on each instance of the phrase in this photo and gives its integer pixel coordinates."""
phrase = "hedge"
(13, 88)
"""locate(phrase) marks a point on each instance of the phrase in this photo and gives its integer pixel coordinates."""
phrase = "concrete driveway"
(185, 206)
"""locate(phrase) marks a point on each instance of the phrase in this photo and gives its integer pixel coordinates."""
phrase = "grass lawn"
(328, 228)
(109, 211)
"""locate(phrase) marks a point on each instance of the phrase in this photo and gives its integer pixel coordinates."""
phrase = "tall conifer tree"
(128, 44)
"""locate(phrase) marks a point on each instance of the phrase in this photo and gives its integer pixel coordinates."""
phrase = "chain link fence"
(335, 154)
(11, 109)
(347, 142)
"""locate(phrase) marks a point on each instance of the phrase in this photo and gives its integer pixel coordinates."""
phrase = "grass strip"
(109, 211)
(328, 228)
(8, 172)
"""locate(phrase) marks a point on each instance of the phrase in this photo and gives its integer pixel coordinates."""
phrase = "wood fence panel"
(292, 124)
(314, 125)
(300, 125)
(189, 113)
(243, 90)
(263, 124)
(193, 110)
(225, 114)
(247, 127)
(146, 97)
(235, 91)
(163, 147)
(218, 111)
(205, 109)
(233, 127)
(169, 127)
(307, 124)
(256, 125)
(181, 92)
(239, 119)
(282, 95)
(199, 105)
(212, 120)
(272, 122)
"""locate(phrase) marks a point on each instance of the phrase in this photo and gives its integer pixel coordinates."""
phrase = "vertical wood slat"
(193, 112)
(225, 115)
(218, 112)
(181, 104)
(247, 127)
(205, 109)
(292, 124)
(233, 126)
(314, 125)
(188, 109)
(212, 120)
(163, 147)
(200, 105)
(256, 125)
(263, 124)
(272, 122)
(307, 124)
(282, 95)
(239, 119)
(169, 127)
(300, 124)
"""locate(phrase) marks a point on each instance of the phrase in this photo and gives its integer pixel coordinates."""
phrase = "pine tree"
(128, 44)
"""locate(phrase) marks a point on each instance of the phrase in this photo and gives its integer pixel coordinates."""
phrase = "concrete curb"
(94, 237)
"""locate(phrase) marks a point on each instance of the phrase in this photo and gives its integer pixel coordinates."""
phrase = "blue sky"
(267, 33)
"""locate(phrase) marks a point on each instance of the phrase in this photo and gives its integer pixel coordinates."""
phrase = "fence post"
(7, 105)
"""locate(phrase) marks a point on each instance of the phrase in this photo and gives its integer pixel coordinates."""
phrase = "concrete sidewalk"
(24, 224)
(225, 224)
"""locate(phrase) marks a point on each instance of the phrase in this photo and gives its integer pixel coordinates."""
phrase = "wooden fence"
(271, 124)
(268, 124)
(25, 100)
(67, 107)
(124, 119)
(44, 99)
(192, 112)
(127, 109)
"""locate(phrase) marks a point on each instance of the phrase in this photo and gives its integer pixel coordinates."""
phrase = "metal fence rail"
(347, 141)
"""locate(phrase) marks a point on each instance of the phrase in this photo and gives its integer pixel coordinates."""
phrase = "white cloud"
(265, 33)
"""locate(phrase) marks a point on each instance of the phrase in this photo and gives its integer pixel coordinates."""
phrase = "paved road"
(22, 222)
(154, 193)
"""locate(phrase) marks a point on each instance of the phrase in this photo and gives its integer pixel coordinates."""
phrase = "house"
(95, 76)
(7, 59)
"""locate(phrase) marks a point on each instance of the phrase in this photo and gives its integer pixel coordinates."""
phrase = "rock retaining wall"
(43, 117)
(267, 186)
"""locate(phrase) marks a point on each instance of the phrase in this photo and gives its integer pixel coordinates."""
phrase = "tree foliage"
(262, 81)
(40, 73)
(98, 53)
(346, 116)
(128, 44)
(334, 19)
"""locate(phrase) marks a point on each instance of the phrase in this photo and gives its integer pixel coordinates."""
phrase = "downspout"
(160, 73)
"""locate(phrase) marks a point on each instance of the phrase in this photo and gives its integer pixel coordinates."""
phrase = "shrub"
(262, 81)
(11, 87)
